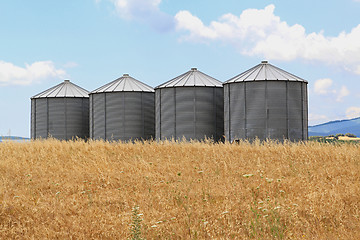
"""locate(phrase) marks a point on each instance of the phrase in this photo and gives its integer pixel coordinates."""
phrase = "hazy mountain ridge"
(335, 127)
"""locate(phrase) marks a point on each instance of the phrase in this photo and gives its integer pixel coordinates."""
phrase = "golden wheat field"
(166, 190)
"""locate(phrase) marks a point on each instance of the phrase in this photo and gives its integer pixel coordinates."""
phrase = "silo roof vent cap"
(264, 62)
(193, 69)
(66, 81)
(126, 75)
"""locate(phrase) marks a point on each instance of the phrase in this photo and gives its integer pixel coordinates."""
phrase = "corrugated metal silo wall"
(114, 116)
(157, 113)
(305, 112)
(91, 116)
(122, 116)
(265, 109)
(234, 111)
(32, 119)
(68, 118)
(219, 103)
(165, 113)
(41, 118)
(276, 101)
(190, 112)
(61, 118)
(57, 118)
(77, 118)
(98, 115)
(148, 99)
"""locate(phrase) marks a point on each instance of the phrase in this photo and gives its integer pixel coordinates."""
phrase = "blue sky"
(92, 42)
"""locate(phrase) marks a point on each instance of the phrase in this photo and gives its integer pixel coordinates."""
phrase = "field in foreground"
(78, 190)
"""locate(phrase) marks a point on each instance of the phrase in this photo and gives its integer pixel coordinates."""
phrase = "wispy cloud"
(255, 32)
(325, 87)
(260, 32)
(145, 11)
(322, 86)
(317, 118)
(11, 74)
(353, 112)
(344, 91)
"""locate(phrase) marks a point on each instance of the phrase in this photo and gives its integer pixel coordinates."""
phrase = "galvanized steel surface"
(61, 112)
(190, 112)
(123, 109)
(60, 118)
(122, 116)
(64, 89)
(190, 106)
(275, 109)
(265, 71)
(192, 78)
(124, 84)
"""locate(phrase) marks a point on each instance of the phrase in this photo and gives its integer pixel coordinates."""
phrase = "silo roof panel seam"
(201, 79)
(50, 91)
(119, 85)
(243, 76)
(265, 72)
(65, 89)
(108, 86)
(55, 91)
(273, 76)
(124, 84)
(190, 79)
(78, 91)
(296, 78)
(254, 74)
(112, 86)
(70, 90)
(62, 91)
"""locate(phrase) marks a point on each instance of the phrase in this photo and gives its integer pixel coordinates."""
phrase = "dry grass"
(78, 190)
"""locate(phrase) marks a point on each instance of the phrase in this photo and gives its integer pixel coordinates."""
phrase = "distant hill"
(334, 127)
(13, 138)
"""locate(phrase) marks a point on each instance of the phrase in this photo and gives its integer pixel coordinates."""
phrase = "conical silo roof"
(64, 89)
(124, 84)
(265, 71)
(190, 79)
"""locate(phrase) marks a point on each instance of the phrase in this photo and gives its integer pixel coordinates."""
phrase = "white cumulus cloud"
(342, 93)
(322, 86)
(261, 32)
(11, 74)
(325, 87)
(317, 117)
(146, 11)
(255, 32)
(198, 31)
(353, 112)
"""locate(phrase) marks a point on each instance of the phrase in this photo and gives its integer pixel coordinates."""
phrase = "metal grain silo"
(61, 112)
(123, 109)
(190, 106)
(266, 102)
